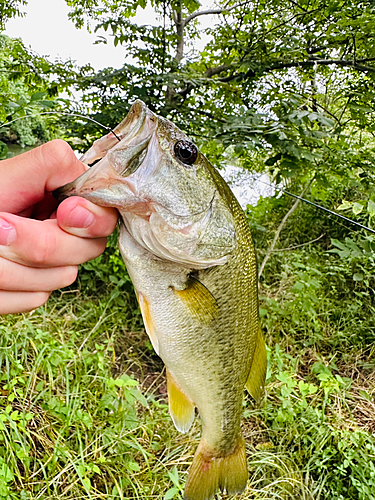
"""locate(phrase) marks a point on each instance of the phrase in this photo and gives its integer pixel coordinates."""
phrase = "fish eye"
(186, 151)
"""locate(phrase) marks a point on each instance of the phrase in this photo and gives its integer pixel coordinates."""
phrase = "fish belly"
(208, 366)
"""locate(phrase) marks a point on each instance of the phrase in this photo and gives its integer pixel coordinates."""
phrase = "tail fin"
(208, 473)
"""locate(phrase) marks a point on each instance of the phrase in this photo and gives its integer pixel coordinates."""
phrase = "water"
(247, 186)
(16, 149)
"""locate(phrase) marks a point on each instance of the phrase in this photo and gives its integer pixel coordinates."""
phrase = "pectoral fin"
(181, 409)
(199, 300)
(147, 320)
(257, 376)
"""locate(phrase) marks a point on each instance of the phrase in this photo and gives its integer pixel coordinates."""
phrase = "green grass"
(83, 410)
(72, 425)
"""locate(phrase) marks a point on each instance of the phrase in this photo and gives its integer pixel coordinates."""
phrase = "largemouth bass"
(189, 252)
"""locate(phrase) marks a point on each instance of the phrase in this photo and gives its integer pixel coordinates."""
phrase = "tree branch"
(279, 229)
(210, 72)
(211, 11)
(298, 246)
(300, 64)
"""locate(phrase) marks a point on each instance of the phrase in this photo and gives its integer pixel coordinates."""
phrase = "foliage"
(25, 93)
(9, 9)
(66, 413)
(289, 94)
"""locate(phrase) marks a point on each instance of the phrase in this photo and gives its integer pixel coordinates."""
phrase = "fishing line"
(324, 209)
(331, 212)
(5, 124)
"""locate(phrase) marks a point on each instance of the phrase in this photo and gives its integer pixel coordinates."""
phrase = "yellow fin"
(208, 473)
(199, 301)
(181, 409)
(257, 376)
(147, 320)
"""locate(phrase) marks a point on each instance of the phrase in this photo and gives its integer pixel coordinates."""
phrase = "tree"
(292, 81)
(9, 9)
(25, 91)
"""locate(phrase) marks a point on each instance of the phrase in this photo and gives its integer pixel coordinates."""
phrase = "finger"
(43, 244)
(17, 302)
(25, 179)
(82, 218)
(16, 277)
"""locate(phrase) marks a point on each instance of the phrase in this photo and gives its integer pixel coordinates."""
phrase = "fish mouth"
(114, 158)
(130, 126)
(109, 181)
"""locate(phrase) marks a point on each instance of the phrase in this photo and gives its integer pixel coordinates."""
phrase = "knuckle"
(59, 150)
(45, 251)
(60, 155)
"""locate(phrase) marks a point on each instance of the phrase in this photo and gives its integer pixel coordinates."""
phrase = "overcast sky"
(48, 31)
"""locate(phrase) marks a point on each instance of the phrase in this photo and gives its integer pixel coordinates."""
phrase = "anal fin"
(257, 376)
(181, 409)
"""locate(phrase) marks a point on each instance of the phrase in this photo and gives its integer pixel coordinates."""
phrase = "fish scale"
(189, 252)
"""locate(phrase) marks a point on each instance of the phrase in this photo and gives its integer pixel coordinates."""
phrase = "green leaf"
(38, 96)
(357, 208)
(173, 475)
(86, 483)
(345, 205)
(134, 466)
(171, 493)
(357, 277)
(371, 208)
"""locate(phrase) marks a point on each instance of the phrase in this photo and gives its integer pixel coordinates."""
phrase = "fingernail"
(7, 232)
(80, 217)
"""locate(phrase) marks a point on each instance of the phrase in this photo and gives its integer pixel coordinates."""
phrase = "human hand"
(41, 247)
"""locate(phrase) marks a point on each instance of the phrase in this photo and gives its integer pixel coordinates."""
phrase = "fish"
(189, 252)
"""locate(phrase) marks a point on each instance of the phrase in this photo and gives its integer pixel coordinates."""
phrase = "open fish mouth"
(130, 126)
(107, 182)
(110, 182)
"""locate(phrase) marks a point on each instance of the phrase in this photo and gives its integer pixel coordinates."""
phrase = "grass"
(71, 424)
(83, 410)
